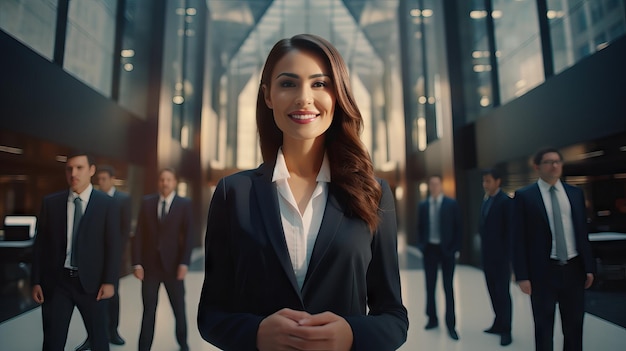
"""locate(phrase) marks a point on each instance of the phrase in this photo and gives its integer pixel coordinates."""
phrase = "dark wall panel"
(42, 100)
(585, 102)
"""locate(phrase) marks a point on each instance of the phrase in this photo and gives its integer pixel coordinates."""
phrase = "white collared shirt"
(300, 229)
(111, 191)
(84, 198)
(168, 203)
(566, 216)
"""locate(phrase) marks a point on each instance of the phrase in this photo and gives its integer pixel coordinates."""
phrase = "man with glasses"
(552, 255)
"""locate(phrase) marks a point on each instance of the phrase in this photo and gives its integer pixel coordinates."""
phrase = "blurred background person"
(77, 258)
(161, 253)
(439, 239)
(105, 177)
(495, 234)
(552, 255)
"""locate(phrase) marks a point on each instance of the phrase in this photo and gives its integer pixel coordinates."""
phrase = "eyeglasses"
(552, 162)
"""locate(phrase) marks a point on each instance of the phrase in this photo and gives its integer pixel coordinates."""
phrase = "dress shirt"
(487, 202)
(566, 216)
(434, 208)
(300, 229)
(84, 198)
(168, 203)
(111, 191)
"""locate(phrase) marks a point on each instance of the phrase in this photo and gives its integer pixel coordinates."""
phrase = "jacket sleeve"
(187, 231)
(457, 228)
(137, 239)
(217, 322)
(40, 244)
(112, 242)
(385, 326)
(520, 249)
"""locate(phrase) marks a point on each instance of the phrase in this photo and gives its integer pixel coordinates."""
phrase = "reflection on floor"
(473, 315)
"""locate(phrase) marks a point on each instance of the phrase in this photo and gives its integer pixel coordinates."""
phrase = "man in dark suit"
(552, 255)
(106, 180)
(161, 253)
(439, 232)
(494, 229)
(76, 257)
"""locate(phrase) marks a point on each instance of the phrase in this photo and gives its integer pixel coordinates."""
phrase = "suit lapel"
(333, 216)
(267, 198)
(536, 193)
(89, 212)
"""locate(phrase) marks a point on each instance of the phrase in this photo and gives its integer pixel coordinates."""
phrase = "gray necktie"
(163, 210)
(559, 233)
(435, 224)
(78, 214)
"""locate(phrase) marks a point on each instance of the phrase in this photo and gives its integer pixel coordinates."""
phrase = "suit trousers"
(565, 285)
(57, 312)
(150, 295)
(433, 258)
(498, 279)
(113, 310)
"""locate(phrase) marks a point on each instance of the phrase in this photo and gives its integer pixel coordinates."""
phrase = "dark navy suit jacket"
(124, 204)
(169, 241)
(495, 233)
(533, 237)
(98, 242)
(449, 226)
(249, 275)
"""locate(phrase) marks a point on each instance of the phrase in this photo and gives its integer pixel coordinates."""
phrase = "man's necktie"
(436, 219)
(559, 233)
(78, 214)
(163, 210)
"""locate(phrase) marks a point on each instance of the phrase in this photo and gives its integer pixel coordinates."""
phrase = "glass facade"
(33, 22)
(135, 56)
(477, 57)
(579, 28)
(518, 47)
(425, 46)
(89, 44)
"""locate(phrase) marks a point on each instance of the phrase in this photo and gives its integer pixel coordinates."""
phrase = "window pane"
(520, 63)
(135, 56)
(89, 42)
(579, 28)
(476, 57)
(33, 22)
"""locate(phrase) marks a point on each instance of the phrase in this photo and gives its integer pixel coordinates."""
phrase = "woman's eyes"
(291, 84)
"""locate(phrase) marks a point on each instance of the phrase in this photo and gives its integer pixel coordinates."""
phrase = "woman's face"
(302, 96)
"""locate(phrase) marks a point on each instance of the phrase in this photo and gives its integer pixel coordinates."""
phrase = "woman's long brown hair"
(352, 172)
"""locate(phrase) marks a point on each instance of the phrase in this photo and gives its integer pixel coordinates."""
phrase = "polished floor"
(23, 333)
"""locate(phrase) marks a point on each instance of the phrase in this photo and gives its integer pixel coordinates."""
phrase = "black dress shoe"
(506, 339)
(493, 330)
(85, 346)
(116, 339)
(431, 324)
(453, 334)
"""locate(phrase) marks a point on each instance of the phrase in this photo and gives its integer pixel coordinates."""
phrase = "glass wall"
(135, 56)
(579, 28)
(477, 58)
(518, 45)
(90, 40)
(33, 22)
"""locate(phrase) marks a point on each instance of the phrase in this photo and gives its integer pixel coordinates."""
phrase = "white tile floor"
(23, 333)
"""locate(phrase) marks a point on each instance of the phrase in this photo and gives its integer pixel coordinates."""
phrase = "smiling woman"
(301, 253)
